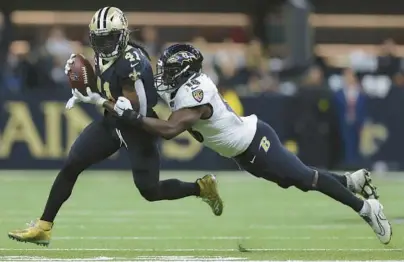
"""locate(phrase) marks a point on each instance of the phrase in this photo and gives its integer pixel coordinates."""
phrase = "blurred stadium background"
(327, 75)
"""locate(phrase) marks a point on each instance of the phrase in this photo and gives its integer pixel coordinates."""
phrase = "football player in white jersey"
(198, 107)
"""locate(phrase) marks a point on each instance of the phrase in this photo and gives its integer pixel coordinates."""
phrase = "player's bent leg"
(270, 160)
(370, 210)
(145, 160)
(94, 144)
(274, 162)
(169, 189)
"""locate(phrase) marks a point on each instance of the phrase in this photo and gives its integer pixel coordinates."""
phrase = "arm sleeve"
(141, 94)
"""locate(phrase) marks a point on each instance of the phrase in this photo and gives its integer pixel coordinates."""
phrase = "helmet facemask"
(167, 77)
(110, 44)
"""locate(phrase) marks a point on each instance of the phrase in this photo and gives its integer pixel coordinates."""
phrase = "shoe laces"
(31, 224)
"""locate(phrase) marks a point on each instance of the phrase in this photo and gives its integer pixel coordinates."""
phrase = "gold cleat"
(38, 232)
(210, 194)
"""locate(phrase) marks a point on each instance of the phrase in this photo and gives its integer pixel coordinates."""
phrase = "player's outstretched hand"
(72, 101)
(90, 98)
(121, 105)
(69, 63)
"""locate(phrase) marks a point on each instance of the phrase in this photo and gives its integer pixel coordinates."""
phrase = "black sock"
(174, 189)
(60, 192)
(331, 187)
(341, 179)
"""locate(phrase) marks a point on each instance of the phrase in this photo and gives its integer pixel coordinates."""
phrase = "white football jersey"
(224, 132)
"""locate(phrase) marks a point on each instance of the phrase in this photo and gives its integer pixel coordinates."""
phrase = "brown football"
(81, 75)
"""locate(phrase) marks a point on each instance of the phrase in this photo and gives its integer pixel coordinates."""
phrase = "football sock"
(170, 189)
(60, 192)
(341, 179)
(175, 189)
(331, 187)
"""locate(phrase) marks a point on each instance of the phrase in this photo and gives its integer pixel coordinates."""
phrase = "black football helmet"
(177, 62)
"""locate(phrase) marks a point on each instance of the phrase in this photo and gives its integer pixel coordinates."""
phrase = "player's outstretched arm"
(179, 121)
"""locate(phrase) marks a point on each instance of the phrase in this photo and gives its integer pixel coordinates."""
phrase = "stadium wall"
(36, 133)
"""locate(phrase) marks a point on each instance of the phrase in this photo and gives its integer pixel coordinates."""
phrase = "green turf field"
(106, 219)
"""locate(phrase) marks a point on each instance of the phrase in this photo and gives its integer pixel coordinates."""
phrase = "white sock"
(365, 209)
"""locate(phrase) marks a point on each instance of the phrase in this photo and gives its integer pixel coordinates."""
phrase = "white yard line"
(174, 225)
(107, 213)
(314, 227)
(165, 258)
(207, 249)
(210, 238)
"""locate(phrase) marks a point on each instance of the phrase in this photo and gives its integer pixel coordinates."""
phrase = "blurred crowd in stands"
(247, 71)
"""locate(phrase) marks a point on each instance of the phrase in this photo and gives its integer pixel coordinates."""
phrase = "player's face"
(165, 77)
(107, 44)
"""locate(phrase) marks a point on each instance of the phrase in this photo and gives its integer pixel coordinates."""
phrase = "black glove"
(131, 117)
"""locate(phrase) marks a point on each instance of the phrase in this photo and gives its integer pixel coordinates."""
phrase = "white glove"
(91, 98)
(72, 101)
(121, 105)
(69, 63)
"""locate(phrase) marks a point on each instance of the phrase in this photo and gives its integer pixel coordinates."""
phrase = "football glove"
(72, 101)
(69, 63)
(91, 98)
(122, 104)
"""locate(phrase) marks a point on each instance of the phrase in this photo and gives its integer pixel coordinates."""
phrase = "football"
(81, 75)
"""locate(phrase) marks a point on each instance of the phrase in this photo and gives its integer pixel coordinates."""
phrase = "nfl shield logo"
(198, 95)
(74, 76)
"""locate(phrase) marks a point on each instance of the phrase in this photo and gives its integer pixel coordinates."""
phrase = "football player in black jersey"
(122, 69)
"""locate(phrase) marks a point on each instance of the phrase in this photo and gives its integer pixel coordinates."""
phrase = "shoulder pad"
(197, 91)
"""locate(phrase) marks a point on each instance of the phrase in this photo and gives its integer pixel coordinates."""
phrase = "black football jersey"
(132, 65)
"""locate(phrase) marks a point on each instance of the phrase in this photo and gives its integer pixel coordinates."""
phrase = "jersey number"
(104, 87)
(134, 60)
(193, 84)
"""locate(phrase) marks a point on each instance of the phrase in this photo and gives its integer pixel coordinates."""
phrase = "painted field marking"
(207, 249)
(165, 258)
(140, 258)
(157, 238)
